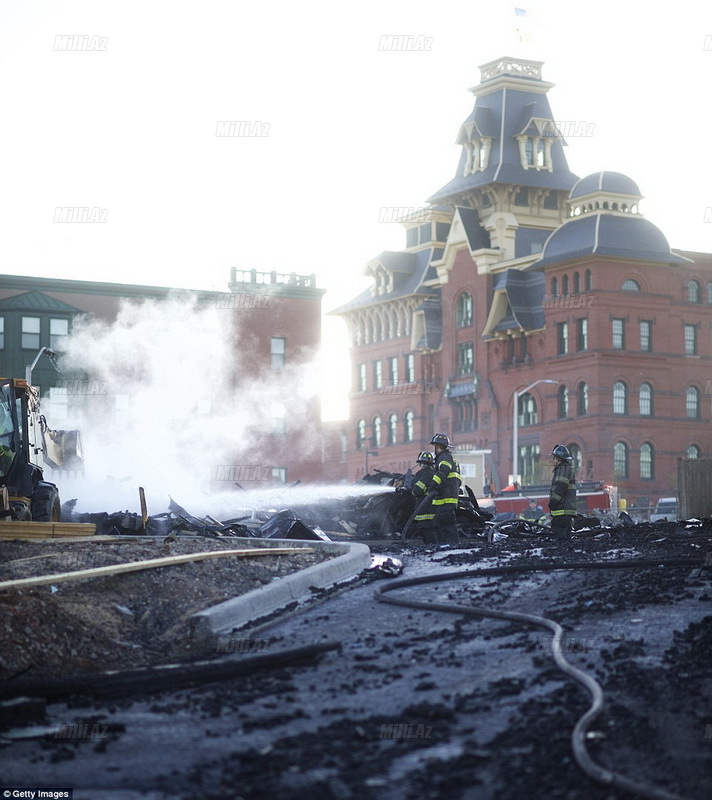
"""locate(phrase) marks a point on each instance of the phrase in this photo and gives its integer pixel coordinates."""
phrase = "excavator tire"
(20, 512)
(45, 504)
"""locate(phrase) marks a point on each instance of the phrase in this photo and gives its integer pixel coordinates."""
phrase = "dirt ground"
(420, 704)
(123, 621)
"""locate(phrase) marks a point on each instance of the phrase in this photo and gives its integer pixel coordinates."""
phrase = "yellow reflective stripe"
(421, 484)
(563, 511)
(444, 500)
(422, 517)
(437, 479)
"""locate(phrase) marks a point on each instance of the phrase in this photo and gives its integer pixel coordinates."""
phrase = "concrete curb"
(351, 558)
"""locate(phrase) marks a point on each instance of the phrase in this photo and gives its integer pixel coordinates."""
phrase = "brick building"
(519, 277)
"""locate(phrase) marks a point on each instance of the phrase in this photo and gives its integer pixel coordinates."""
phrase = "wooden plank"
(151, 563)
(45, 530)
(144, 508)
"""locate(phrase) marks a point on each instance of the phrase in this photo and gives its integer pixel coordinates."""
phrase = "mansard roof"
(608, 234)
(608, 182)
(502, 115)
(409, 271)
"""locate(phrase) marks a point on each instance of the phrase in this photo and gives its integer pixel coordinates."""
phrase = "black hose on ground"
(160, 678)
(578, 735)
(420, 505)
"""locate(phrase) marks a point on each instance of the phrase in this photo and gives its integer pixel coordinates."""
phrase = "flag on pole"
(523, 25)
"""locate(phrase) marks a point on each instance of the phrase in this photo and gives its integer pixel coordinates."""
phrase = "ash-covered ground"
(419, 703)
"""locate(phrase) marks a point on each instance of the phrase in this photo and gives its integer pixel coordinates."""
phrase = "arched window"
(577, 283)
(647, 464)
(709, 293)
(575, 451)
(464, 310)
(587, 280)
(565, 285)
(392, 429)
(692, 403)
(554, 287)
(563, 402)
(631, 286)
(693, 451)
(376, 432)
(409, 424)
(620, 398)
(582, 398)
(360, 433)
(527, 411)
(620, 460)
(645, 399)
(693, 292)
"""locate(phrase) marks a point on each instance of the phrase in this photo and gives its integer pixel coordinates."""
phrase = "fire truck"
(590, 496)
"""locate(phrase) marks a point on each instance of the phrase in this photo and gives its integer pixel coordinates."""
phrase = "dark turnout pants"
(446, 524)
(441, 529)
(561, 525)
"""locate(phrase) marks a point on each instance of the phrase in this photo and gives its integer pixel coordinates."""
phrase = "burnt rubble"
(382, 515)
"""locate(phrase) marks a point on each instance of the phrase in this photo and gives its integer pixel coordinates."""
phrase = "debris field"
(395, 703)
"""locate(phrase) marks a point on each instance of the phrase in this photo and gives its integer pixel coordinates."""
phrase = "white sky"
(352, 129)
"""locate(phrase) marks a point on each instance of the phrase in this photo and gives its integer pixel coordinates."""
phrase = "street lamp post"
(52, 357)
(369, 453)
(515, 426)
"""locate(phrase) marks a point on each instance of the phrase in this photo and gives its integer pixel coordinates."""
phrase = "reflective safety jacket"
(562, 495)
(421, 480)
(446, 480)
(534, 515)
(423, 477)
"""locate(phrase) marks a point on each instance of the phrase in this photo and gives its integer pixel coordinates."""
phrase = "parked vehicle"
(590, 496)
(665, 509)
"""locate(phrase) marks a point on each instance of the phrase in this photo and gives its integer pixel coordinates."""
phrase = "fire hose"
(420, 505)
(579, 733)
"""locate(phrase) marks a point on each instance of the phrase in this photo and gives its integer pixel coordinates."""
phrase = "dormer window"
(477, 154)
(535, 142)
(535, 152)
(534, 149)
(382, 281)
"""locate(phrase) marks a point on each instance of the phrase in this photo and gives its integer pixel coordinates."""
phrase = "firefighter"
(446, 482)
(424, 521)
(534, 513)
(562, 494)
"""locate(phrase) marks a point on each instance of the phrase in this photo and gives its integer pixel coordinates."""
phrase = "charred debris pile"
(358, 514)
(364, 516)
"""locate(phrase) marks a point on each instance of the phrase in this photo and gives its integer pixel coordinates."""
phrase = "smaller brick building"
(278, 317)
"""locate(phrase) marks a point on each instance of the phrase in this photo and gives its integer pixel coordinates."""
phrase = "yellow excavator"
(27, 444)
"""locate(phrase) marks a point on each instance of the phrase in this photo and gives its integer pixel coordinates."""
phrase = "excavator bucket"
(62, 450)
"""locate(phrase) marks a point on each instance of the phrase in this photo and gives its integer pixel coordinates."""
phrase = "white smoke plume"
(164, 400)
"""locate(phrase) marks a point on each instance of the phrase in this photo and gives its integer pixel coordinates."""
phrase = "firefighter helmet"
(562, 452)
(425, 458)
(441, 439)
